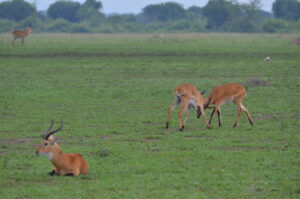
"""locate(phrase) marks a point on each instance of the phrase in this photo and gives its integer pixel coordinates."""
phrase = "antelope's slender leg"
(22, 40)
(183, 107)
(204, 117)
(239, 111)
(211, 115)
(247, 113)
(218, 108)
(186, 117)
(171, 108)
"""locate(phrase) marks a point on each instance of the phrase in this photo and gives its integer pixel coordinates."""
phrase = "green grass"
(113, 91)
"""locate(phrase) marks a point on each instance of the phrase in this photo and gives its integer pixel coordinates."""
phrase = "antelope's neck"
(55, 154)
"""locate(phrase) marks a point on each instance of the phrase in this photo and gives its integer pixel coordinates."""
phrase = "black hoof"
(69, 174)
(52, 173)
(181, 129)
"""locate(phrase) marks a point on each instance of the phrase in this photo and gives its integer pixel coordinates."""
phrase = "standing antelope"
(65, 164)
(190, 97)
(231, 92)
(19, 34)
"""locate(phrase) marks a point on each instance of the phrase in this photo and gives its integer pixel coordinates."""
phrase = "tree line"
(215, 16)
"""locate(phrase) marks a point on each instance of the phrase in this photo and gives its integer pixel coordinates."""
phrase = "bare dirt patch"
(201, 136)
(252, 149)
(106, 137)
(17, 141)
(255, 81)
(295, 41)
(150, 140)
(278, 116)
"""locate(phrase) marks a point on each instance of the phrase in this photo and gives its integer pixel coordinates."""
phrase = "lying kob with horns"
(65, 164)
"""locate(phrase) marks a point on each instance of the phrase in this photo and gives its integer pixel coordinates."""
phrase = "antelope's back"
(227, 91)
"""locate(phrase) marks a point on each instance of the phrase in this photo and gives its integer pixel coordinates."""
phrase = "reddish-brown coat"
(64, 163)
(19, 34)
(189, 96)
(231, 92)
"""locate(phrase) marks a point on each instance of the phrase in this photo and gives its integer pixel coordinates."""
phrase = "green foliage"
(112, 92)
(85, 13)
(16, 10)
(287, 9)
(250, 16)
(280, 25)
(220, 12)
(59, 25)
(64, 9)
(92, 4)
(6, 25)
(216, 16)
(194, 12)
(274, 25)
(79, 28)
(164, 12)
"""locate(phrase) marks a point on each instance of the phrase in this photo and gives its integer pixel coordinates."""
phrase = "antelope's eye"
(46, 143)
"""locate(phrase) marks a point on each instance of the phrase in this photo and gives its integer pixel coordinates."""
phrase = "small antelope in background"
(19, 34)
(190, 97)
(65, 164)
(231, 92)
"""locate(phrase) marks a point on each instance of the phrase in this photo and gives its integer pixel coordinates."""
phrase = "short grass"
(112, 93)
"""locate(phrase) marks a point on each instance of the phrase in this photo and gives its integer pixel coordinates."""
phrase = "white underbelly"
(193, 104)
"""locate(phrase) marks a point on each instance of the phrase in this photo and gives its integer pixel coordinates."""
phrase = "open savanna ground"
(112, 93)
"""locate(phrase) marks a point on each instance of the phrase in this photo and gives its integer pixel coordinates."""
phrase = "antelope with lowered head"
(190, 97)
(231, 92)
(65, 164)
(20, 34)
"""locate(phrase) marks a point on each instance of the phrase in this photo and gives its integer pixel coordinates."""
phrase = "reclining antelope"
(231, 92)
(20, 34)
(65, 164)
(190, 97)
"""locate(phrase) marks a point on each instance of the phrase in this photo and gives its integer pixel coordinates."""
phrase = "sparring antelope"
(19, 34)
(231, 92)
(65, 164)
(190, 97)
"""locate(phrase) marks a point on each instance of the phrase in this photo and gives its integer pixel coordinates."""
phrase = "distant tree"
(16, 10)
(274, 25)
(196, 11)
(64, 9)
(219, 12)
(164, 12)
(250, 16)
(90, 11)
(287, 9)
(124, 18)
(151, 12)
(97, 5)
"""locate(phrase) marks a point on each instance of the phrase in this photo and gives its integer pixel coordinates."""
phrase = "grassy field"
(112, 93)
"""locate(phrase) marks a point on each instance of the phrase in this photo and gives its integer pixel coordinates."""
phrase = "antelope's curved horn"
(47, 131)
(52, 132)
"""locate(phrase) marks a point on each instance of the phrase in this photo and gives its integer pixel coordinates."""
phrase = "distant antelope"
(231, 92)
(190, 97)
(65, 164)
(19, 34)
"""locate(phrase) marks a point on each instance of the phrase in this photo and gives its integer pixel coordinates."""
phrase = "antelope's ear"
(54, 140)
